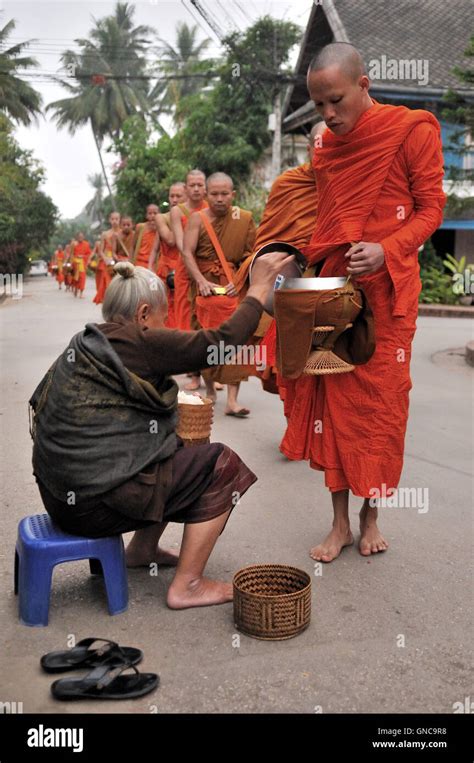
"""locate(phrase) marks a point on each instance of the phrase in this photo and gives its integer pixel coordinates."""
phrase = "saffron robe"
(290, 216)
(144, 242)
(382, 182)
(59, 261)
(82, 252)
(168, 257)
(125, 246)
(236, 234)
(182, 298)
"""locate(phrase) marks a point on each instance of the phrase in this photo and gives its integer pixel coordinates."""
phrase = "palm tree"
(183, 59)
(95, 207)
(109, 81)
(18, 99)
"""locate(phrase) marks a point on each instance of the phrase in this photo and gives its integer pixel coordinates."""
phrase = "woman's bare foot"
(161, 556)
(332, 546)
(201, 592)
(371, 539)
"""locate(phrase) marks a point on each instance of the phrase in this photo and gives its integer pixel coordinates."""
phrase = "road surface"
(390, 633)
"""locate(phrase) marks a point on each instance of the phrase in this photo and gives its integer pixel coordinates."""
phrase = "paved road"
(351, 659)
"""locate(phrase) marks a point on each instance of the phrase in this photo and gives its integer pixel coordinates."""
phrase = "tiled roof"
(433, 30)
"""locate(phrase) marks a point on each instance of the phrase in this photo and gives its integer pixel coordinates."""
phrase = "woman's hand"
(264, 272)
(364, 258)
(205, 288)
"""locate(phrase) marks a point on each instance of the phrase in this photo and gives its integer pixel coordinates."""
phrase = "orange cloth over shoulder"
(289, 215)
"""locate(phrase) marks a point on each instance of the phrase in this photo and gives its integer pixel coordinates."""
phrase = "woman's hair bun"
(124, 269)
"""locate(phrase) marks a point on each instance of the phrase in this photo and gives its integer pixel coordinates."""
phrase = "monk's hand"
(230, 290)
(205, 288)
(364, 258)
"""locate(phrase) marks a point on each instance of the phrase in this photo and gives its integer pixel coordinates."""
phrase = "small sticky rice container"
(195, 422)
(272, 601)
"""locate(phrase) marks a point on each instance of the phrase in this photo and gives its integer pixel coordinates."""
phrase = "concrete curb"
(470, 353)
(447, 311)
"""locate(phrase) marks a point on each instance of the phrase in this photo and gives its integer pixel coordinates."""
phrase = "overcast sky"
(55, 24)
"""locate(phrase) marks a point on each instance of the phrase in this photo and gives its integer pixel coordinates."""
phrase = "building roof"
(430, 30)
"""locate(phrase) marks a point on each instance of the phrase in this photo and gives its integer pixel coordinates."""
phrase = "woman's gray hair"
(130, 287)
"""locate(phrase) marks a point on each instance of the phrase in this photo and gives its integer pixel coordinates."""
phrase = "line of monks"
(374, 177)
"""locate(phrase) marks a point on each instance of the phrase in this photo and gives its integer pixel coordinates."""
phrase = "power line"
(198, 22)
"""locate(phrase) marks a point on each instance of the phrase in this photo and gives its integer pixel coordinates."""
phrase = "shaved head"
(339, 86)
(220, 193)
(220, 177)
(342, 55)
(193, 173)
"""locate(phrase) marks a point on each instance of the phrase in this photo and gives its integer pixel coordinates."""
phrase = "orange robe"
(125, 246)
(59, 261)
(182, 303)
(382, 182)
(236, 235)
(168, 257)
(290, 216)
(82, 252)
(144, 244)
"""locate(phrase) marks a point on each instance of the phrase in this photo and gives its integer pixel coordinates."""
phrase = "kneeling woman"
(106, 456)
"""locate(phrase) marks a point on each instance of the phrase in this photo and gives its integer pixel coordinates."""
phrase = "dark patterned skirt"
(206, 481)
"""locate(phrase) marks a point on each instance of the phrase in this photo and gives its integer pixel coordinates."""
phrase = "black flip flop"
(81, 656)
(106, 682)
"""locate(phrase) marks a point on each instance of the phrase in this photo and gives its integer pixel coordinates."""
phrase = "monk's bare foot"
(237, 411)
(371, 539)
(161, 556)
(332, 546)
(218, 386)
(198, 593)
(193, 385)
(211, 393)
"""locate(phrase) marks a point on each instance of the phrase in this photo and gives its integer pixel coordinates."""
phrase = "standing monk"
(179, 216)
(145, 237)
(107, 249)
(165, 256)
(379, 181)
(125, 239)
(234, 230)
(59, 262)
(68, 267)
(81, 254)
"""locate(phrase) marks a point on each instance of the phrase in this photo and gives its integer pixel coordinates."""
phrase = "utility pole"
(274, 122)
(276, 146)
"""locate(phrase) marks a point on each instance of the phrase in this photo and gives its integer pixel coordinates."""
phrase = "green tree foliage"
(106, 80)
(185, 60)
(27, 214)
(224, 128)
(18, 99)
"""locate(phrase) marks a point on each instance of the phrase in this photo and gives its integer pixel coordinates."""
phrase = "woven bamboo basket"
(195, 422)
(272, 601)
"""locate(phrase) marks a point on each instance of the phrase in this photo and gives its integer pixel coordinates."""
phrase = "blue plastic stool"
(41, 545)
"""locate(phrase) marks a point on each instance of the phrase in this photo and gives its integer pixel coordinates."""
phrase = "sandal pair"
(106, 680)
